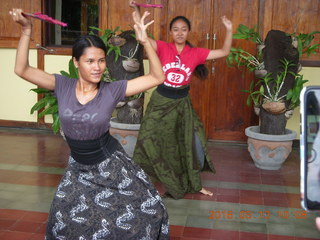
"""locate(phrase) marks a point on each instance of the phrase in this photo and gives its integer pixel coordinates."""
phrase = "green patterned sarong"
(171, 145)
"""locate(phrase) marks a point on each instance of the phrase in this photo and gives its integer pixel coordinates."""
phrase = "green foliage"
(293, 94)
(241, 58)
(49, 106)
(268, 87)
(304, 43)
(106, 35)
(251, 34)
(73, 71)
(273, 87)
(254, 96)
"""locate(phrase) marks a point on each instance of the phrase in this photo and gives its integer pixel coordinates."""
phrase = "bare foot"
(206, 192)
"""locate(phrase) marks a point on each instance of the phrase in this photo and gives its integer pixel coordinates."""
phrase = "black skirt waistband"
(94, 151)
(171, 92)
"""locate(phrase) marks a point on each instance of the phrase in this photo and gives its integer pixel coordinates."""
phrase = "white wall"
(313, 75)
(15, 98)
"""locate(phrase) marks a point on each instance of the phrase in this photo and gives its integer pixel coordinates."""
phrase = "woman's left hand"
(140, 27)
(226, 22)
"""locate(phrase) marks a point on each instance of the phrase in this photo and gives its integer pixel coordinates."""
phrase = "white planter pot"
(269, 151)
(126, 134)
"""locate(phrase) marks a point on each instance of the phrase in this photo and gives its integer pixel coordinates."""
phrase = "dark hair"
(186, 20)
(84, 42)
(201, 71)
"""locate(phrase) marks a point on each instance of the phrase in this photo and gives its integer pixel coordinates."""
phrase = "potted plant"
(125, 61)
(275, 92)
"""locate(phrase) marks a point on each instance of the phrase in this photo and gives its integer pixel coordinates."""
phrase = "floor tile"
(224, 234)
(176, 231)
(8, 235)
(200, 233)
(252, 236)
(248, 203)
(24, 226)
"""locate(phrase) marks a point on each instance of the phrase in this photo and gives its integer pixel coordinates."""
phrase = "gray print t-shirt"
(91, 120)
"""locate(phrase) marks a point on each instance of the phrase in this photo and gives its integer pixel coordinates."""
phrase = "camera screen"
(312, 145)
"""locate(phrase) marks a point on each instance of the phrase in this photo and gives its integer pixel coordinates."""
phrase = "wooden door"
(10, 31)
(227, 112)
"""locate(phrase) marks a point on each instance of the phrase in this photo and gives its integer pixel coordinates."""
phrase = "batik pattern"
(166, 146)
(110, 200)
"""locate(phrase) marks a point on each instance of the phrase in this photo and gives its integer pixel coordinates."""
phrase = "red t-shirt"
(179, 67)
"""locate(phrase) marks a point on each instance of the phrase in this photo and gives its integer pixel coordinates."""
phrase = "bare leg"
(206, 192)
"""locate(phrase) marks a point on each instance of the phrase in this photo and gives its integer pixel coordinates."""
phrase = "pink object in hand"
(46, 18)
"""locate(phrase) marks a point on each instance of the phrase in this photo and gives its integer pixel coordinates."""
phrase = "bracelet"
(29, 35)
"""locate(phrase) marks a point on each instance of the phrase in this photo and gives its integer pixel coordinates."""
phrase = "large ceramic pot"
(125, 133)
(269, 151)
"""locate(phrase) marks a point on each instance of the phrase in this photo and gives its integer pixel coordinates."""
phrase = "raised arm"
(225, 50)
(138, 16)
(22, 67)
(156, 75)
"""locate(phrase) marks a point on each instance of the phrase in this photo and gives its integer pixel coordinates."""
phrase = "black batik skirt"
(111, 199)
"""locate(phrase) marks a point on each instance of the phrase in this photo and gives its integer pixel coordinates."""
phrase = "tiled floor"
(248, 203)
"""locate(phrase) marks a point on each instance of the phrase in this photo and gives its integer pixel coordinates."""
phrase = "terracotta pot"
(260, 47)
(120, 104)
(299, 67)
(294, 42)
(274, 107)
(260, 73)
(117, 41)
(131, 65)
(269, 151)
(256, 110)
(288, 114)
(136, 103)
(126, 134)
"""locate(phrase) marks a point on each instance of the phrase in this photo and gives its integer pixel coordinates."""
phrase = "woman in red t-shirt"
(171, 146)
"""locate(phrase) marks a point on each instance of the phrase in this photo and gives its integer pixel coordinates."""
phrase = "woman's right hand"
(18, 17)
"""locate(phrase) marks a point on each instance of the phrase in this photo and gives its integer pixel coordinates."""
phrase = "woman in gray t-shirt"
(103, 193)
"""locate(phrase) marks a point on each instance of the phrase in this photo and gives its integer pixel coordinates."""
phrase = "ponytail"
(201, 71)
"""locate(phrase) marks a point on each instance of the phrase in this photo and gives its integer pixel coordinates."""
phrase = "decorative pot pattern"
(131, 65)
(260, 73)
(126, 134)
(117, 41)
(269, 151)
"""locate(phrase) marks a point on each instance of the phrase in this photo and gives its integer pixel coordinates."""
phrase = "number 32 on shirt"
(175, 77)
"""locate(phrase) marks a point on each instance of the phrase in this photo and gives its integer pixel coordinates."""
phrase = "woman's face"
(91, 64)
(179, 31)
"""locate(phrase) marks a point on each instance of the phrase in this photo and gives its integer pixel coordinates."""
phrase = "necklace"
(87, 91)
(91, 90)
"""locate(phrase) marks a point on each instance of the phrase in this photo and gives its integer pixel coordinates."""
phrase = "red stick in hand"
(43, 17)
